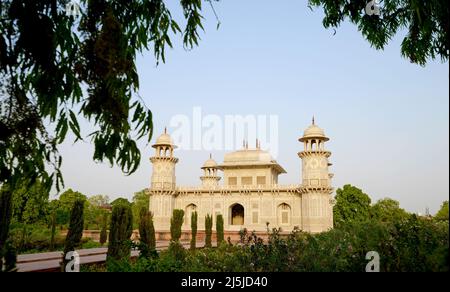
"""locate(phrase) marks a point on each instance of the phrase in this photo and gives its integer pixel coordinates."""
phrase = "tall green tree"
(120, 201)
(75, 231)
(95, 50)
(62, 214)
(146, 233)
(30, 202)
(120, 231)
(219, 229)
(152, 234)
(442, 214)
(95, 210)
(388, 210)
(140, 200)
(426, 23)
(68, 198)
(53, 229)
(194, 219)
(208, 230)
(352, 205)
(104, 230)
(175, 225)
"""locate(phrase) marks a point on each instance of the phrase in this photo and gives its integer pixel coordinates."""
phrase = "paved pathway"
(50, 261)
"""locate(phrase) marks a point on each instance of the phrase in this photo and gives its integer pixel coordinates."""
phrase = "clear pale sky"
(388, 119)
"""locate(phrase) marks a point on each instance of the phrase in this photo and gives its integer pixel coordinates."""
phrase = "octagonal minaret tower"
(317, 208)
(163, 182)
(163, 176)
(210, 178)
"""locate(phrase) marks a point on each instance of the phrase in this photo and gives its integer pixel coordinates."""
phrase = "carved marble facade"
(249, 195)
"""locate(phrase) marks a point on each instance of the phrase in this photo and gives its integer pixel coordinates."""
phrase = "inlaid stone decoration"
(244, 189)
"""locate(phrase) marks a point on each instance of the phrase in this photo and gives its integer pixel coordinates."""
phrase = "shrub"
(219, 229)
(75, 231)
(175, 224)
(208, 230)
(89, 243)
(53, 231)
(37, 238)
(104, 231)
(194, 219)
(147, 244)
(152, 234)
(120, 231)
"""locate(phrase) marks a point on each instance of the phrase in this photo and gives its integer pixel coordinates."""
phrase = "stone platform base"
(185, 235)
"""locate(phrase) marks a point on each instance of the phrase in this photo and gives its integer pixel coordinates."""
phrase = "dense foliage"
(120, 232)
(5, 218)
(175, 224)
(75, 232)
(140, 200)
(388, 210)
(442, 214)
(403, 241)
(208, 230)
(219, 229)
(41, 43)
(415, 244)
(352, 205)
(147, 240)
(194, 219)
(426, 23)
(104, 231)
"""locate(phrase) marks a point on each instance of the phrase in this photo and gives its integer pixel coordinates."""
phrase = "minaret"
(163, 176)
(317, 209)
(210, 178)
(163, 182)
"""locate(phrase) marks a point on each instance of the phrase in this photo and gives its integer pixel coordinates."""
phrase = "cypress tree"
(175, 225)
(152, 239)
(146, 233)
(208, 230)
(194, 217)
(144, 226)
(75, 231)
(120, 231)
(53, 223)
(219, 229)
(104, 231)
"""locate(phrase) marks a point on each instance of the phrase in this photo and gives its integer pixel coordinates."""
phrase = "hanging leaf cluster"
(57, 68)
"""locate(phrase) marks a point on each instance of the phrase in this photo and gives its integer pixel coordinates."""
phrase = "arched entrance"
(237, 214)
(284, 214)
(188, 214)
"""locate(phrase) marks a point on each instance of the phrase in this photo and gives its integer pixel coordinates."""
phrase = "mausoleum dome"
(247, 156)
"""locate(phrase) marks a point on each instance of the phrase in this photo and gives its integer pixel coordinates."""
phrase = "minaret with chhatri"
(249, 195)
(317, 210)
